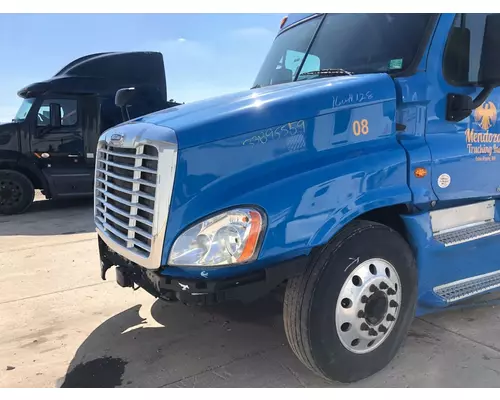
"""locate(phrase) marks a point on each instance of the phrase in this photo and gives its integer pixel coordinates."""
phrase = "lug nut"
(390, 318)
(383, 286)
(361, 314)
(382, 329)
(391, 292)
(393, 303)
(364, 299)
(373, 332)
(373, 288)
(364, 327)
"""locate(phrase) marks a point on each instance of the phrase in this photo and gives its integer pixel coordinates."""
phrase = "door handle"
(73, 155)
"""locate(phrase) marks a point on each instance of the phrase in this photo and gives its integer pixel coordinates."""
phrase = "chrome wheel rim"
(368, 306)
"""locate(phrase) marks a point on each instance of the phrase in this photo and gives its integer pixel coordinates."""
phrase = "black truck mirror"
(123, 98)
(137, 101)
(55, 115)
(460, 106)
(489, 69)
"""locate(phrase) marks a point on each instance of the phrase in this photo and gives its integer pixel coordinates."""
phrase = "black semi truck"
(50, 144)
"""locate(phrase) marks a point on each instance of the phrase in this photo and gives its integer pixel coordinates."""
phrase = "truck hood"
(252, 110)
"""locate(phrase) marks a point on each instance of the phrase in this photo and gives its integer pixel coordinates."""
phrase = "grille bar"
(125, 238)
(126, 179)
(125, 226)
(123, 213)
(123, 190)
(128, 167)
(125, 202)
(135, 156)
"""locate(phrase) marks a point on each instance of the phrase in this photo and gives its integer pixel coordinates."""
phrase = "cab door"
(465, 154)
(59, 149)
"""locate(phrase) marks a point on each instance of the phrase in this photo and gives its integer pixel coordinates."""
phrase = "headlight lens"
(231, 237)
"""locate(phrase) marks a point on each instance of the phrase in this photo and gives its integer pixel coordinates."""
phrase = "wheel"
(16, 192)
(347, 315)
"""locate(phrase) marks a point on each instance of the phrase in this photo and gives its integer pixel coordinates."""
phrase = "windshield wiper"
(328, 72)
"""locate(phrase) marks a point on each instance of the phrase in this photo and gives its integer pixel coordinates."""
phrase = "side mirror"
(142, 100)
(460, 106)
(124, 96)
(489, 68)
(55, 115)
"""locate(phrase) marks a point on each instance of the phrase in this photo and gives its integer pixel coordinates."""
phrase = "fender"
(19, 162)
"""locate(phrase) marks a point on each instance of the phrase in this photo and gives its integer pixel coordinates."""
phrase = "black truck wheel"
(16, 192)
(348, 314)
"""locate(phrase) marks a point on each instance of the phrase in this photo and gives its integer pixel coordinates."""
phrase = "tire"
(317, 310)
(16, 192)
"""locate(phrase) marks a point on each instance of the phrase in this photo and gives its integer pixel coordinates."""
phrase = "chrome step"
(462, 289)
(469, 233)
(455, 225)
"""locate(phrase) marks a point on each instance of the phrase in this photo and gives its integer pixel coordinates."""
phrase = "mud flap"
(104, 267)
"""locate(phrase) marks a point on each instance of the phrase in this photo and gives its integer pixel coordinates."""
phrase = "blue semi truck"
(360, 172)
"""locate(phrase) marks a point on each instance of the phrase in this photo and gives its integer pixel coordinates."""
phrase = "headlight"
(231, 237)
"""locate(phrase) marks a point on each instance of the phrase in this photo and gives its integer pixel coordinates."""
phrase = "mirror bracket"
(460, 106)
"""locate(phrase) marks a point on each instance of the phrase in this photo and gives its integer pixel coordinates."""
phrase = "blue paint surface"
(291, 149)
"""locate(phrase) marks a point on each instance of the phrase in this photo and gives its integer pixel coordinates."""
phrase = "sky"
(205, 55)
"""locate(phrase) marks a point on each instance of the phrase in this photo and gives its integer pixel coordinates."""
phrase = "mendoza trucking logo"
(480, 141)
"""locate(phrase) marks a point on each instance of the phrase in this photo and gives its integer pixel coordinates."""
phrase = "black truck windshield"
(350, 43)
(24, 109)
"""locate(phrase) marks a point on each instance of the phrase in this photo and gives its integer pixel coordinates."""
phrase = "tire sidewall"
(28, 192)
(376, 241)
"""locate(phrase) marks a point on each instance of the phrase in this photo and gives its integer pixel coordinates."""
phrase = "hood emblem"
(116, 139)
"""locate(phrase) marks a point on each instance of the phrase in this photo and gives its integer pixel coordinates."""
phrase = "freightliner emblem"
(116, 139)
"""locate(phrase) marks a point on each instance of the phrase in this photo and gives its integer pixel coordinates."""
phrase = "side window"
(463, 49)
(68, 108)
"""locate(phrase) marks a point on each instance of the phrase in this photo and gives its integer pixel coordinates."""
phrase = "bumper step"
(465, 288)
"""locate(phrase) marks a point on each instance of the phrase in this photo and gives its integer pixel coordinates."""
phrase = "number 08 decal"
(360, 127)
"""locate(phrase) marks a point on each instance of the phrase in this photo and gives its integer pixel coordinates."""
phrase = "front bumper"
(245, 288)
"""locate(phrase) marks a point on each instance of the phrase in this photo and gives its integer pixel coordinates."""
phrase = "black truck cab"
(50, 144)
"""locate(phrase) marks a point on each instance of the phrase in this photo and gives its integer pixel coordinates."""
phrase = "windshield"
(356, 43)
(24, 109)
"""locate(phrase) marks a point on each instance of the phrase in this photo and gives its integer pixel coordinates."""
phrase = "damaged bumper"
(244, 288)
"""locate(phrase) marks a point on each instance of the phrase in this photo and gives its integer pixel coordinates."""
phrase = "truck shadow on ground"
(176, 342)
(51, 217)
(235, 345)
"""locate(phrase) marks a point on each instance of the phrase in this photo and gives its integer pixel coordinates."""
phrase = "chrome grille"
(125, 194)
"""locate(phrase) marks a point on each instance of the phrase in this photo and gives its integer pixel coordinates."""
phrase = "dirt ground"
(60, 325)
